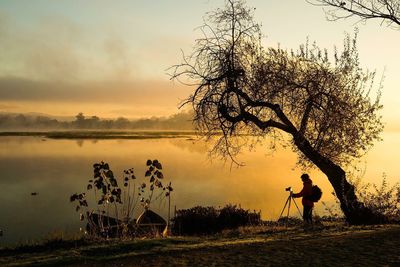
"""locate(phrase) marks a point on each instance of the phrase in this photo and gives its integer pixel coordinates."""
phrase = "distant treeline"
(180, 121)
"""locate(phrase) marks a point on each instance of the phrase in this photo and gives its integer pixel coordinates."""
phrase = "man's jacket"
(306, 192)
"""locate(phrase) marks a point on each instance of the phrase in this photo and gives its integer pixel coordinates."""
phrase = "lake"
(56, 168)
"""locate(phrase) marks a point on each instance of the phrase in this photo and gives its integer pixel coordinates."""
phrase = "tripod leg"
(284, 207)
(288, 210)
(301, 215)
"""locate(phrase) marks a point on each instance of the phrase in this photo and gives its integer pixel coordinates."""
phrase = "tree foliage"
(245, 89)
(388, 11)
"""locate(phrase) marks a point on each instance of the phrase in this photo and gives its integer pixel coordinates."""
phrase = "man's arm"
(300, 194)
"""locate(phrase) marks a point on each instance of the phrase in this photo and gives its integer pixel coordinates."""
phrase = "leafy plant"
(116, 202)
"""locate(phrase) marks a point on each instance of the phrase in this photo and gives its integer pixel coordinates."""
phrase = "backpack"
(316, 193)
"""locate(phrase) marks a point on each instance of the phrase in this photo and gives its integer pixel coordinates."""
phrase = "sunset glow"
(66, 57)
(199, 133)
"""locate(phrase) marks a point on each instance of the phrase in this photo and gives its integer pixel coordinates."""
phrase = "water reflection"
(57, 168)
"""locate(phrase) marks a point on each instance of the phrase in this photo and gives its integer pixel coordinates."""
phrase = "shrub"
(383, 199)
(232, 217)
(196, 220)
(208, 220)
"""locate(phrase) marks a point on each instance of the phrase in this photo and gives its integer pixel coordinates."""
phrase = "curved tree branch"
(386, 10)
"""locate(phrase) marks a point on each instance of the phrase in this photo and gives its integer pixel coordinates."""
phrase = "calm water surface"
(58, 168)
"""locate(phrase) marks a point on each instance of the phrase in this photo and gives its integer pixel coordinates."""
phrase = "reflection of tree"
(243, 89)
(191, 145)
(80, 142)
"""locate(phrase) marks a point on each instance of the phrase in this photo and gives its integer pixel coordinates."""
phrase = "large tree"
(245, 92)
(387, 11)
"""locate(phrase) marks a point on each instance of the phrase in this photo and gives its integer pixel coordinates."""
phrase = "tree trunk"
(356, 212)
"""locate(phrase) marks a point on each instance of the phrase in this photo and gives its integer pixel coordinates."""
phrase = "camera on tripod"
(288, 203)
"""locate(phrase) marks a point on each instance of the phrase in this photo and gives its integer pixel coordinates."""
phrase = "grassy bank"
(329, 245)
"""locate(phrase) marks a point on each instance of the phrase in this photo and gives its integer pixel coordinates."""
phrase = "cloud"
(8, 107)
(47, 49)
(57, 65)
(152, 92)
(107, 98)
(60, 48)
(56, 48)
(119, 58)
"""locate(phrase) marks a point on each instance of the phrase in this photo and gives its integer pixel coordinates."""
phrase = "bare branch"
(243, 89)
(386, 10)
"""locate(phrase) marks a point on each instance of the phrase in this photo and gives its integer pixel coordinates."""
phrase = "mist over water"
(55, 169)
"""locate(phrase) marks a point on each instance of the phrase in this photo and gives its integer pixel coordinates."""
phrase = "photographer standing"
(306, 192)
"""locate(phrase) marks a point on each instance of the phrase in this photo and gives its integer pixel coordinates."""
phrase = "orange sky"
(110, 59)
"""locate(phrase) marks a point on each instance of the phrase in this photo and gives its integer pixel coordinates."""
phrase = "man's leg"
(307, 214)
(310, 215)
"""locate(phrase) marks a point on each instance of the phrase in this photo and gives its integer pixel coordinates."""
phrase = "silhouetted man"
(306, 193)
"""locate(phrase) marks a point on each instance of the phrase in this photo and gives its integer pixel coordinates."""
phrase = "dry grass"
(325, 245)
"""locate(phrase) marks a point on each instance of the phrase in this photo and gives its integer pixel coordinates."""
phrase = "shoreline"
(101, 134)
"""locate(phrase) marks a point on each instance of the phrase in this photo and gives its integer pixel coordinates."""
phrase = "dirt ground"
(345, 246)
(365, 248)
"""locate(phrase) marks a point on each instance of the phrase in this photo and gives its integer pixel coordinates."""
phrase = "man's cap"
(305, 176)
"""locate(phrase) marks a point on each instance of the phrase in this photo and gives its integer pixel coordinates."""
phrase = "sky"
(110, 58)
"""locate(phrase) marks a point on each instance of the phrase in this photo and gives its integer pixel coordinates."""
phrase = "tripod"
(288, 202)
